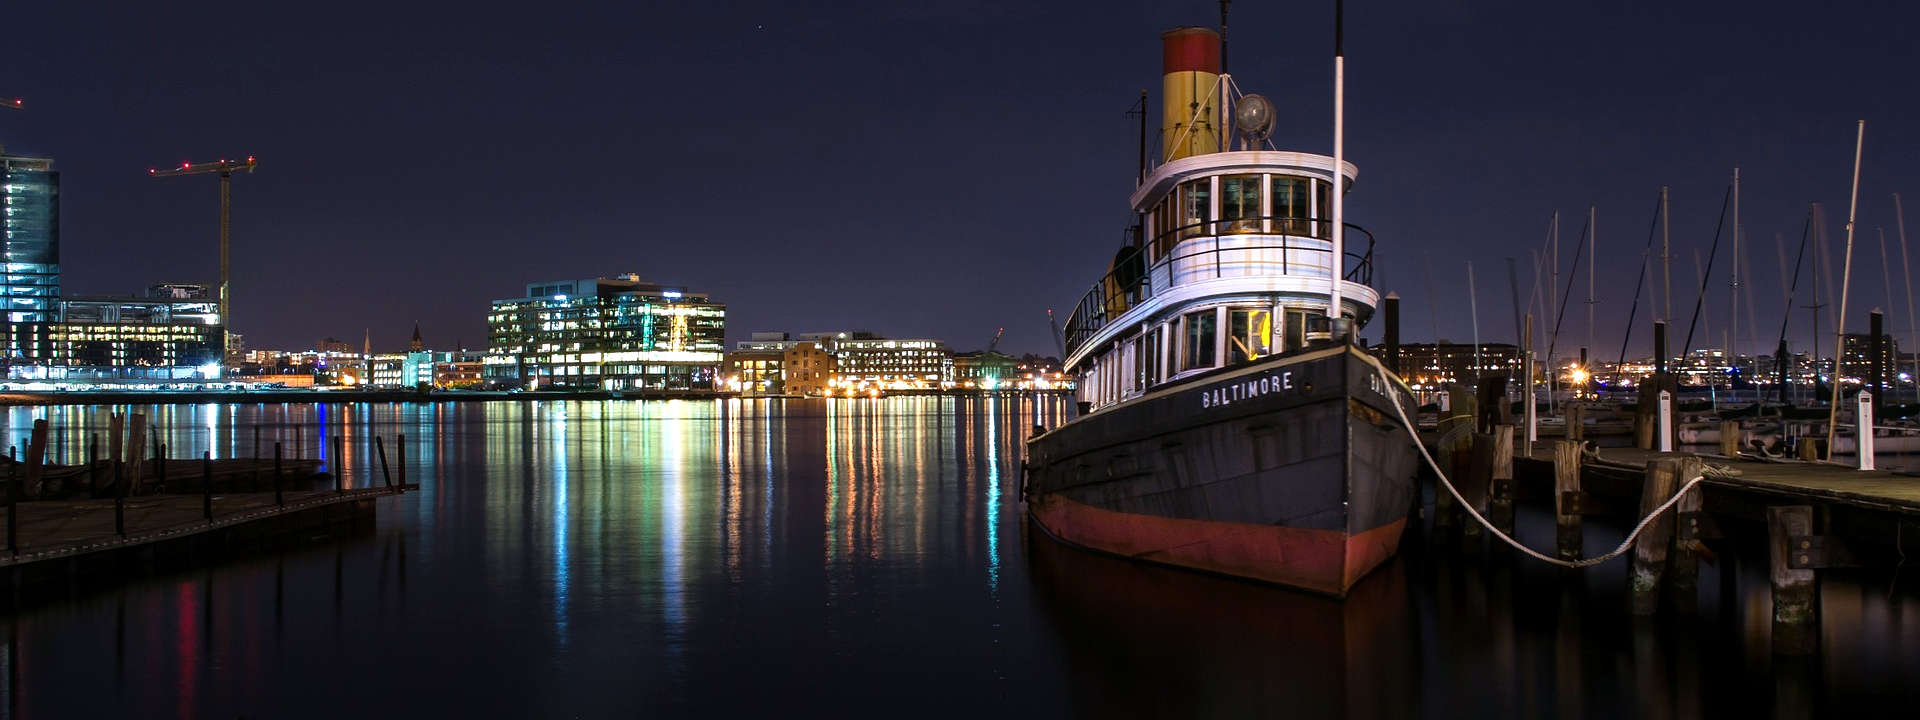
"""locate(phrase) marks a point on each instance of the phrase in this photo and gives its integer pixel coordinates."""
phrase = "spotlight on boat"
(1253, 118)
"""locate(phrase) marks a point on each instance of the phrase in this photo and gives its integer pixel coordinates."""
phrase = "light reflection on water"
(857, 557)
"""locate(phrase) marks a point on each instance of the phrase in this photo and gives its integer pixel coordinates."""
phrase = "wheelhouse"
(1234, 262)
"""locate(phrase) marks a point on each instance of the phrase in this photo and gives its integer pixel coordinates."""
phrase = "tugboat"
(1227, 421)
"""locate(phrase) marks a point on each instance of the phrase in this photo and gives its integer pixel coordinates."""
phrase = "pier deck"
(1829, 483)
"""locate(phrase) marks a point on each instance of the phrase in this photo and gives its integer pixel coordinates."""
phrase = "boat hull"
(1294, 470)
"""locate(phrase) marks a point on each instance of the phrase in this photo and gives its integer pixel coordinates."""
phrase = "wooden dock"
(60, 544)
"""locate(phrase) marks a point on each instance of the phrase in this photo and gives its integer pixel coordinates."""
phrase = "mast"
(1733, 282)
(1846, 280)
(1900, 222)
(1592, 242)
(1473, 308)
(1339, 162)
(1666, 257)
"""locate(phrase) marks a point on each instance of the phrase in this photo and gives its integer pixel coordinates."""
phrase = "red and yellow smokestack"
(1190, 61)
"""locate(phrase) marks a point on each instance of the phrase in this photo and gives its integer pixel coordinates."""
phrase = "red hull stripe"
(1324, 561)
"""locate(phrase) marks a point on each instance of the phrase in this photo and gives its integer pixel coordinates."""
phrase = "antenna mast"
(1338, 262)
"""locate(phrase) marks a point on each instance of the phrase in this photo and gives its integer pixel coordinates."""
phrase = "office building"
(30, 189)
(617, 333)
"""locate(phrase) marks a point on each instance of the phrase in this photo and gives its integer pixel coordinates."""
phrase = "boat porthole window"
(1199, 346)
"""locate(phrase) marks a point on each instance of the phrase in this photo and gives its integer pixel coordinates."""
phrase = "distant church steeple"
(415, 346)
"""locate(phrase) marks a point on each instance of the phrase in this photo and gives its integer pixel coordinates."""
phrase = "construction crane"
(225, 169)
(996, 340)
(1057, 344)
(16, 103)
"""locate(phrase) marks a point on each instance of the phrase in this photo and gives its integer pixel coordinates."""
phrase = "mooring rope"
(1625, 545)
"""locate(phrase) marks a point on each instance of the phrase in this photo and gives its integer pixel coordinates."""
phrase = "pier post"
(400, 454)
(1863, 419)
(120, 499)
(1795, 614)
(1665, 428)
(339, 466)
(299, 442)
(136, 450)
(1390, 307)
(1730, 438)
(1809, 447)
(1684, 564)
(1477, 487)
(1500, 486)
(278, 498)
(1567, 498)
(253, 462)
(206, 485)
(116, 433)
(160, 466)
(1650, 549)
(13, 504)
(93, 464)
(1659, 348)
(381, 448)
(36, 451)
(1576, 417)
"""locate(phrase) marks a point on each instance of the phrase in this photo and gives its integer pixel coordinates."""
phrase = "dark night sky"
(935, 169)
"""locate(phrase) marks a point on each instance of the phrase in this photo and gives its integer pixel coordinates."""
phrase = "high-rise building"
(609, 333)
(31, 191)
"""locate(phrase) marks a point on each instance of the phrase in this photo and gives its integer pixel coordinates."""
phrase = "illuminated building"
(608, 333)
(755, 372)
(30, 188)
(1429, 365)
(892, 364)
(100, 338)
(808, 370)
(985, 369)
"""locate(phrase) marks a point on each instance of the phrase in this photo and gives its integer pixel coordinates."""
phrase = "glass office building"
(607, 333)
(31, 219)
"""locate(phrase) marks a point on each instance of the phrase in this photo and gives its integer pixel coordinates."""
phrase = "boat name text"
(1246, 389)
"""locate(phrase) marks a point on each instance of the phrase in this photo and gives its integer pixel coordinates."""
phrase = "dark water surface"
(857, 558)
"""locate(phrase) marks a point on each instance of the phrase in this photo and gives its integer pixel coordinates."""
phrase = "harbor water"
(860, 558)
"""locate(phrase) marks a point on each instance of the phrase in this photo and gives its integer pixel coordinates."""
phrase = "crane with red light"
(225, 169)
(16, 103)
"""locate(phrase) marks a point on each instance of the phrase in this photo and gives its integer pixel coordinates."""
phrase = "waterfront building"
(608, 333)
(30, 189)
(1856, 358)
(986, 369)
(1433, 365)
(892, 364)
(756, 372)
(808, 370)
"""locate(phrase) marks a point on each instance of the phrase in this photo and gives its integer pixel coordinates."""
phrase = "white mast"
(1593, 239)
(1473, 307)
(1339, 163)
(1846, 279)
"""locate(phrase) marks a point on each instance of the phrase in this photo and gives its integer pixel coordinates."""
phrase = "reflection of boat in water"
(1231, 426)
(1145, 641)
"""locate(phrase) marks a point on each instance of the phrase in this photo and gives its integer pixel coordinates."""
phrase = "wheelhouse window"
(1292, 211)
(1240, 204)
(1323, 209)
(1196, 207)
(1150, 358)
(1249, 333)
(1200, 337)
(1298, 320)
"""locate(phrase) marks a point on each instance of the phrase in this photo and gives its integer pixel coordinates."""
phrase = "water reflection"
(857, 556)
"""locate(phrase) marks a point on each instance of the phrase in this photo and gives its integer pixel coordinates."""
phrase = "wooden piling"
(1567, 498)
(136, 441)
(36, 452)
(160, 466)
(400, 454)
(1809, 448)
(1500, 485)
(339, 463)
(381, 448)
(13, 504)
(1795, 614)
(93, 464)
(206, 485)
(116, 433)
(1576, 417)
(1650, 549)
(278, 498)
(1683, 566)
(299, 442)
(253, 481)
(1477, 487)
(1730, 438)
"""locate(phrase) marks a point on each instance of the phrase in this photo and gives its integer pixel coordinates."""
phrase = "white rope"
(1625, 545)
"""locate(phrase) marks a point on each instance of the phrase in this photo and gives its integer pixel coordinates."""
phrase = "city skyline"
(407, 164)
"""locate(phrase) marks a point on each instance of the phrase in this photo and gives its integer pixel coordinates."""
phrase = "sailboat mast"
(1733, 281)
(1473, 308)
(1666, 256)
(1846, 280)
(1913, 337)
(1592, 241)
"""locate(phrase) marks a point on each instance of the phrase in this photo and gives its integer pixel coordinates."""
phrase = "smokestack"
(1190, 61)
